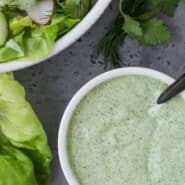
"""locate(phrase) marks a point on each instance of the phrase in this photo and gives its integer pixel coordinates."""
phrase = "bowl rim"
(63, 129)
(64, 42)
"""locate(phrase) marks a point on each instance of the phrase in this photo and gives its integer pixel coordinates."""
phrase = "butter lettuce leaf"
(40, 42)
(64, 24)
(16, 167)
(18, 24)
(22, 129)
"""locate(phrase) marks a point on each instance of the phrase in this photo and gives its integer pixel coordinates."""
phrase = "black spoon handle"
(176, 88)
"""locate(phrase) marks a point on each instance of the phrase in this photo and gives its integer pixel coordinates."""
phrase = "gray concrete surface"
(51, 85)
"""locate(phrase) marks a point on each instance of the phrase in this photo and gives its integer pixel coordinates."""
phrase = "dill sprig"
(109, 45)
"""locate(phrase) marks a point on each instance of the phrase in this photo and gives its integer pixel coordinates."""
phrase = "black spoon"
(176, 88)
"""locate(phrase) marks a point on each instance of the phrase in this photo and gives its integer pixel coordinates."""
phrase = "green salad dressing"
(118, 135)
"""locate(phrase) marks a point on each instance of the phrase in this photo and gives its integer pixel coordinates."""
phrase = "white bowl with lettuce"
(32, 31)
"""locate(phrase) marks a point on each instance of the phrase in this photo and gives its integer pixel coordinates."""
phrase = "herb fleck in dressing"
(118, 135)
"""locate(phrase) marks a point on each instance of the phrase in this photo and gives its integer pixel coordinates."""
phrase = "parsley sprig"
(139, 20)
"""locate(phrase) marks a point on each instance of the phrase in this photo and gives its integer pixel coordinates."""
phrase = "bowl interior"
(81, 94)
(68, 39)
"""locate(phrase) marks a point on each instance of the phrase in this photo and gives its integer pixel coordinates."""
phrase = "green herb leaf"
(155, 32)
(151, 32)
(132, 27)
(70, 6)
(147, 15)
(167, 6)
(131, 7)
(76, 8)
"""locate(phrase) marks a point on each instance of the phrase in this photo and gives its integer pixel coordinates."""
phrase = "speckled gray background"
(51, 85)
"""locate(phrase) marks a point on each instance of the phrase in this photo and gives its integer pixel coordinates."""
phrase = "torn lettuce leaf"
(18, 24)
(13, 49)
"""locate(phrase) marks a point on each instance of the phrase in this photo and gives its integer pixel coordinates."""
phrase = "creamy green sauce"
(118, 135)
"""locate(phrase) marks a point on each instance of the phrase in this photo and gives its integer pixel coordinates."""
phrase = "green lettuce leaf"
(64, 24)
(18, 24)
(16, 167)
(13, 49)
(21, 127)
(41, 41)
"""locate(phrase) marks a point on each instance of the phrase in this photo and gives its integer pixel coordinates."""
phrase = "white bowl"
(68, 39)
(62, 137)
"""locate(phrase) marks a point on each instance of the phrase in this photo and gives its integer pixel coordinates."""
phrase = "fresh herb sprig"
(139, 20)
(74, 8)
(109, 45)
